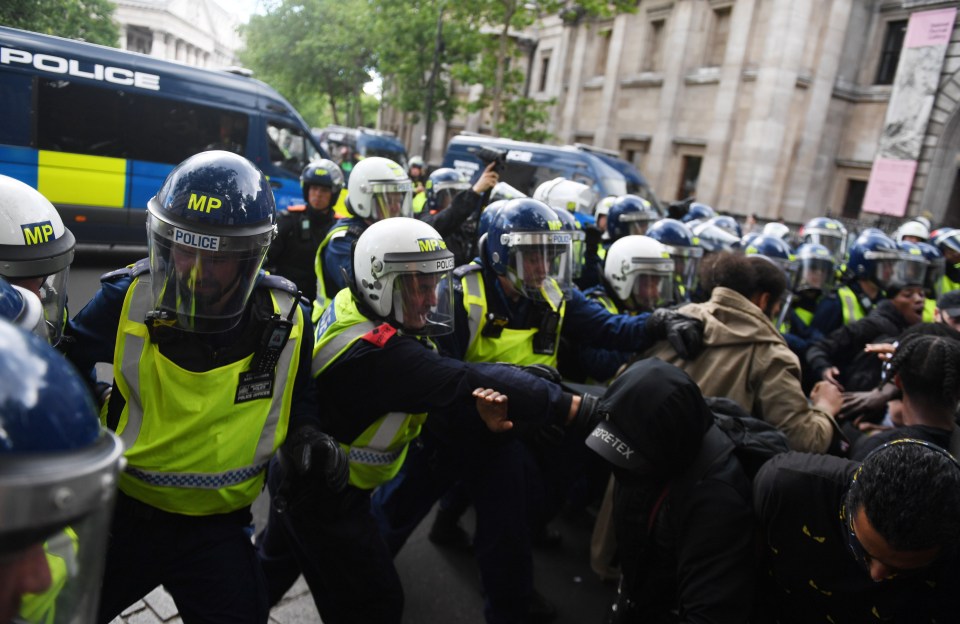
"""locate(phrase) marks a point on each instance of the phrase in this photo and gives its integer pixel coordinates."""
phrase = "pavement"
(442, 585)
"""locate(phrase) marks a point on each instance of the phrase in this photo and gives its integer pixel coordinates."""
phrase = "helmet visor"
(391, 199)
(910, 271)
(833, 240)
(652, 289)
(931, 280)
(540, 262)
(423, 302)
(203, 281)
(579, 253)
(815, 274)
(686, 264)
(52, 293)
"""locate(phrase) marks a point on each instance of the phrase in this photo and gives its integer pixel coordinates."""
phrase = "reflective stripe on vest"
(946, 285)
(852, 310)
(513, 345)
(323, 298)
(377, 454)
(190, 448)
(603, 299)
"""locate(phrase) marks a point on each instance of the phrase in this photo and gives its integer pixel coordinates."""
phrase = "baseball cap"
(949, 303)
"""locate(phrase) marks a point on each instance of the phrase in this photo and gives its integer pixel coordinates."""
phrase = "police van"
(96, 130)
(361, 143)
(527, 165)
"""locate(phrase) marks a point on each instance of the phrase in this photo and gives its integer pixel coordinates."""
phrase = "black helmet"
(208, 231)
(323, 172)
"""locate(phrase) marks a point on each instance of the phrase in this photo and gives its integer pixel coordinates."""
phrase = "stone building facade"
(195, 32)
(766, 107)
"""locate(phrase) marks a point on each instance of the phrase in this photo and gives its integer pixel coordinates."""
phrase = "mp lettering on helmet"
(431, 244)
(37, 233)
(555, 225)
(204, 203)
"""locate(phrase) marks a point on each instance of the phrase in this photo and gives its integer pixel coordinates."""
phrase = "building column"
(671, 90)
(159, 47)
(800, 190)
(568, 119)
(716, 160)
(611, 86)
(765, 141)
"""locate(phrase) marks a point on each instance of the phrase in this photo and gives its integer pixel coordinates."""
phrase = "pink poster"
(930, 28)
(889, 187)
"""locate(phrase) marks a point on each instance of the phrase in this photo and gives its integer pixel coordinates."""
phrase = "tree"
(314, 49)
(87, 20)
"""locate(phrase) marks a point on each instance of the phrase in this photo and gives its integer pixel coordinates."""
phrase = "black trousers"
(331, 539)
(207, 563)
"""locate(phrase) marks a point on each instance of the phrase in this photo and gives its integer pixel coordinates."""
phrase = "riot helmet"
(827, 232)
(325, 173)
(578, 249)
(527, 246)
(777, 251)
(873, 257)
(402, 271)
(630, 214)
(816, 270)
(912, 232)
(22, 308)
(208, 230)
(564, 194)
(443, 185)
(641, 273)
(777, 230)
(935, 269)
(58, 476)
(714, 239)
(379, 189)
(684, 249)
(502, 190)
(36, 249)
(912, 268)
(727, 224)
(698, 212)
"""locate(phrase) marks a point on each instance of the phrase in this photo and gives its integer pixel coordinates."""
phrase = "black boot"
(447, 532)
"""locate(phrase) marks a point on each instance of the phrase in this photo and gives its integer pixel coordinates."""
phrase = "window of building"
(544, 70)
(890, 54)
(689, 176)
(652, 53)
(719, 33)
(603, 50)
(856, 190)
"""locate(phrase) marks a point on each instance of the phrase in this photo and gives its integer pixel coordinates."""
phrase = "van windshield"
(613, 186)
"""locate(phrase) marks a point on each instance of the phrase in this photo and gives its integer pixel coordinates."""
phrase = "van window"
(15, 94)
(289, 147)
(123, 125)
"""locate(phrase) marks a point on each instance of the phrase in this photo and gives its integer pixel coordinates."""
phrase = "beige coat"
(747, 360)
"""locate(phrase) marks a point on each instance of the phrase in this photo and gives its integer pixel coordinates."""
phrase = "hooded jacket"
(684, 522)
(747, 360)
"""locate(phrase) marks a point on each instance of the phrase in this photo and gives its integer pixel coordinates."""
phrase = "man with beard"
(211, 368)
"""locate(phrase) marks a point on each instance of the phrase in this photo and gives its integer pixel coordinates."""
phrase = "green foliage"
(314, 51)
(87, 20)
(525, 119)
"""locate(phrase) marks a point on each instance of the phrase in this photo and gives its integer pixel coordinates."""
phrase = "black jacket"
(293, 252)
(458, 224)
(843, 347)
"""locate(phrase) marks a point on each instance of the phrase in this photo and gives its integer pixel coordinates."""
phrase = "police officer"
(511, 306)
(210, 364)
(684, 248)
(301, 228)
(377, 189)
(380, 373)
(58, 476)
(35, 249)
(453, 208)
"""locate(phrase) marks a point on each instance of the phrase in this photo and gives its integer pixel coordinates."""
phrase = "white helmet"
(777, 230)
(633, 256)
(564, 194)
(35, 249)
(378, 189)
(502, 190)
(912, 228)
(402, 271)
(603, 206)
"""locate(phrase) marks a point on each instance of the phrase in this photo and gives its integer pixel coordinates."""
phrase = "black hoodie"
(695, 554)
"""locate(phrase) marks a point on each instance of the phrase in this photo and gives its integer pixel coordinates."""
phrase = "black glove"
(588, 414)
(311, 454)
(593, 235)
(684, 333)
(544, 371)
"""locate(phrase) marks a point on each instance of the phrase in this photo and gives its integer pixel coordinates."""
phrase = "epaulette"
(278, 282)
(465, 269)
(131, 270)
(378, 336)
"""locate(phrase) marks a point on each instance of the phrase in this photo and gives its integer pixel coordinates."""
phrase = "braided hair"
(929, 369)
